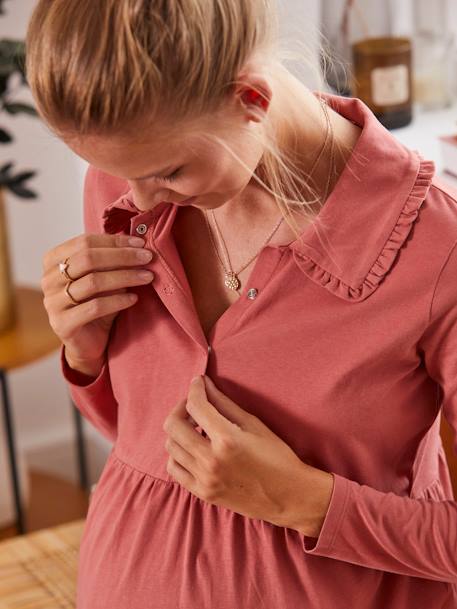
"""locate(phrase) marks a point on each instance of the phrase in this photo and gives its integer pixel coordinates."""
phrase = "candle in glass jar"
(382, 78)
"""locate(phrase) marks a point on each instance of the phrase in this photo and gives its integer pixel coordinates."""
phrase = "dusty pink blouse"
(348, 352)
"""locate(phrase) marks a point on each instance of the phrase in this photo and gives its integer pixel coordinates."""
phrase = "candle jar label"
(390, 85)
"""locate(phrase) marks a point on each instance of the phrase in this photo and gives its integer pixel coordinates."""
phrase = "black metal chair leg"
(81, 449)
(8, 419)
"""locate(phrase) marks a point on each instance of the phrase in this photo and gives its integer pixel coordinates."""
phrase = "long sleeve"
(94, 397)
(386, 531)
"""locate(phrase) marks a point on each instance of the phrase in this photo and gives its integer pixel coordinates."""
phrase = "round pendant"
(231, 281)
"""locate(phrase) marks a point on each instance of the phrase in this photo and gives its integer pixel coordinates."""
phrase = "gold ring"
(68, 293)
(63, 266)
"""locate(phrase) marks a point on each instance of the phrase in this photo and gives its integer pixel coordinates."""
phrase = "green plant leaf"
(2, 9)
(21, 177)
(18, 107)
(12, 53)
(12, 60)
(15, 183)
(21, 191)
(5, 169)
(5, 137)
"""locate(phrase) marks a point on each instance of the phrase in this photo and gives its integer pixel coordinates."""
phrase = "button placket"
(166, 284)
(167, 287)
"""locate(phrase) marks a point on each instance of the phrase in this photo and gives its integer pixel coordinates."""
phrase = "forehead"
(102, 149)
(146, 151)
(162, 136)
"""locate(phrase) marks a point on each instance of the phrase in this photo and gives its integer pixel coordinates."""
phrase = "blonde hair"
(100, 67)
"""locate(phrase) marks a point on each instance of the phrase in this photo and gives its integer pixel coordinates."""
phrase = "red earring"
(252, 97)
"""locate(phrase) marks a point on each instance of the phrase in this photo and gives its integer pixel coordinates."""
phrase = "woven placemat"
(39, 570)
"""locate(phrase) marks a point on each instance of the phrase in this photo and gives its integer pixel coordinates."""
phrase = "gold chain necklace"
(231, 279)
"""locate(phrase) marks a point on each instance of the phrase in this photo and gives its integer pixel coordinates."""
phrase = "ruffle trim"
(433, 492)
(389, 252)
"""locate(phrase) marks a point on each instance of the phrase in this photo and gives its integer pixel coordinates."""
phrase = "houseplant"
(12, 77)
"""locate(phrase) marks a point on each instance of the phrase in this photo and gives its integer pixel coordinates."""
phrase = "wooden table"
(39, 570)
(29, 339)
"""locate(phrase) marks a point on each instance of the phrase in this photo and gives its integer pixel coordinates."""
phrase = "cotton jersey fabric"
(348, 353)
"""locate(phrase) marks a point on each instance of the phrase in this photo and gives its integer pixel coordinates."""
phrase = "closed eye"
(171, 177)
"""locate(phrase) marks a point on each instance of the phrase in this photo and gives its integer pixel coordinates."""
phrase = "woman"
(313, 290)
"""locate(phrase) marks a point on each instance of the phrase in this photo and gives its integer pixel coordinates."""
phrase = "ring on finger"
(63, 266)
(76, 302)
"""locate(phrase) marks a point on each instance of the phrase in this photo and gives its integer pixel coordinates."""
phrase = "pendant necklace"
(231, 279)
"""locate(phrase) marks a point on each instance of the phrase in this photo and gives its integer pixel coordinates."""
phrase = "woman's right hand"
(97, 263)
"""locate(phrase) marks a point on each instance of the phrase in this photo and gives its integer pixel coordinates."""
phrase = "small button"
(252, 293)
(141, 229)
(209, 348)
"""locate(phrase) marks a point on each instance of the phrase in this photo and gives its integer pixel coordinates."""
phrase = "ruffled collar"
(357, 235)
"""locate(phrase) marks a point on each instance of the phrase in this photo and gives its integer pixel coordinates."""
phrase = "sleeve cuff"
(74, 377)
(333, 518)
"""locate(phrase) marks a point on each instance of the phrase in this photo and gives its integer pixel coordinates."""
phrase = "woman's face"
(173, 168)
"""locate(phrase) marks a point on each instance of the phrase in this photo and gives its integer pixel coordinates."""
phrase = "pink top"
(348, 353)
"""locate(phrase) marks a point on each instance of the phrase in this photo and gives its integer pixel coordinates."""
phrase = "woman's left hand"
(242, 465)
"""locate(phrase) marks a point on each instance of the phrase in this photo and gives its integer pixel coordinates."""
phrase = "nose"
(146, 196)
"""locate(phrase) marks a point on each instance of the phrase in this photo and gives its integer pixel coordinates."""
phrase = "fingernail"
(195, 379)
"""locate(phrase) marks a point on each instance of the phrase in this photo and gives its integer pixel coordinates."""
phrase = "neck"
(301, 125)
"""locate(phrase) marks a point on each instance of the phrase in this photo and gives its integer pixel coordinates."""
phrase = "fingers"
(84, 242)
(102, 267)
(94, 260)
(93, 254)
(73, 318)
(99, 283)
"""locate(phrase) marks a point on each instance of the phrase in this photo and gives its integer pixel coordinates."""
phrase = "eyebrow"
(155, 175)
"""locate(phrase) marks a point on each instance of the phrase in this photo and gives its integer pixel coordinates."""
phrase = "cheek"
(226, 184)
(208, 182)
(232, 175)
(222, 175)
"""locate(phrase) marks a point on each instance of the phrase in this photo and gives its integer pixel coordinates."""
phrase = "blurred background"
(399, 56)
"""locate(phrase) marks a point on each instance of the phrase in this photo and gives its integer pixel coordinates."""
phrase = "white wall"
(300, 23)
(381, 17)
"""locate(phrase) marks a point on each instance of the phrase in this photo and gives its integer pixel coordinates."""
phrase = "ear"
(254, 94)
